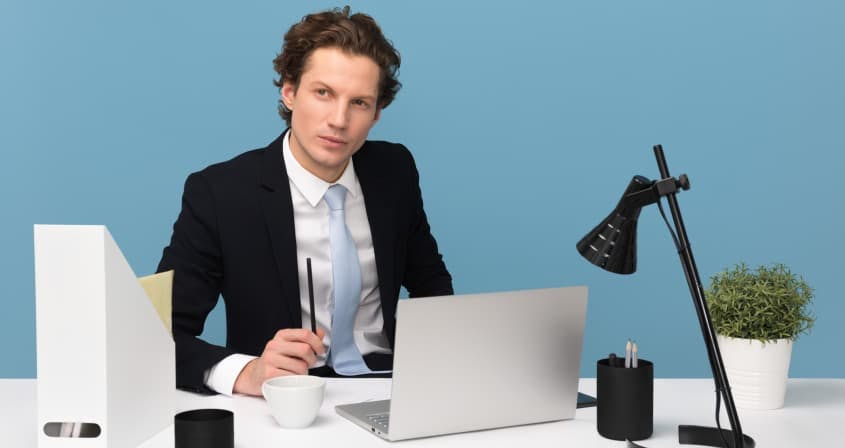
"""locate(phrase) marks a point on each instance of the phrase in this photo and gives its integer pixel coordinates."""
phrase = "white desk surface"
(812, 417)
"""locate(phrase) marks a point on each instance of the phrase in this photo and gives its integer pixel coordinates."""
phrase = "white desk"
(812, 417)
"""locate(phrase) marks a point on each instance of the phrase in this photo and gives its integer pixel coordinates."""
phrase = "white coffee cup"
(294, 400)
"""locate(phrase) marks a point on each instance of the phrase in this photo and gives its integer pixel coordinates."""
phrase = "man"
(322, 192)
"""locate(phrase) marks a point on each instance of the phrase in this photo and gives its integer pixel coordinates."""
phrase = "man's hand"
(291, 352)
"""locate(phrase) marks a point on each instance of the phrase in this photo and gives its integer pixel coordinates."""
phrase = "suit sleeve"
(425, 272)
(195, 256)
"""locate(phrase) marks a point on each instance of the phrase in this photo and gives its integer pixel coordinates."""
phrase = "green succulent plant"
(765, 304)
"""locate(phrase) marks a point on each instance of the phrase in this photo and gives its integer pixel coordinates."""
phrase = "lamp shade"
(612, 245)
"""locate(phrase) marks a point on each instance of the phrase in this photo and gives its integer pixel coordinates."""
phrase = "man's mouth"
(332, 141)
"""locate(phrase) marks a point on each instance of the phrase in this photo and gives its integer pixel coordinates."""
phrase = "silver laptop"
(480, 361)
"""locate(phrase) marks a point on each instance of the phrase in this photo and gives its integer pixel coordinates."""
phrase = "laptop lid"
(480, 361)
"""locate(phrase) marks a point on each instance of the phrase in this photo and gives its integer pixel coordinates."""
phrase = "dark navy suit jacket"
(235, 237)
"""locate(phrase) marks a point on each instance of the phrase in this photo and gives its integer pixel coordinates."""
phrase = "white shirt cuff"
(222, 376)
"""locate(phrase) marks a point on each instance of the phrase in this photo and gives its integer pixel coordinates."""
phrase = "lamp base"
(709, 436)
(704, 436)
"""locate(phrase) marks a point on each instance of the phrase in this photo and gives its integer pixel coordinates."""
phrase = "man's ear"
(288, 94)
(377, 116)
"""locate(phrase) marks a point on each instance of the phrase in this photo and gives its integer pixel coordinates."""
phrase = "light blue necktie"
(344, 355)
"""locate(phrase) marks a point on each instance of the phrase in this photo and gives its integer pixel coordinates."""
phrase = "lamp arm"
(691, 434)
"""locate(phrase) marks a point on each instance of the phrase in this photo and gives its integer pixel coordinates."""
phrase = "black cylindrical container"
(625, 399)
(204, 428)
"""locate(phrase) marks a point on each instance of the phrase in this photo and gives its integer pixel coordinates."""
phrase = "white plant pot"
(757, 372)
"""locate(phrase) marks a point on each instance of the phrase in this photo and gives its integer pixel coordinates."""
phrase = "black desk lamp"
(612, 247)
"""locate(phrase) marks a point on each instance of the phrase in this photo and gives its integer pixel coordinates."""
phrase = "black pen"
(311, 296)
(611, 360)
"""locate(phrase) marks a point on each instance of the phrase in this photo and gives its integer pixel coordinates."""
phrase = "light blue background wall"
(527, 120)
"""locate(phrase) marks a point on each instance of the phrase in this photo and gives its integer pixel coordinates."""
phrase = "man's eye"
(360, 103)
(322, 92)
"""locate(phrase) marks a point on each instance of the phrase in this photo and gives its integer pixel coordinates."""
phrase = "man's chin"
(333, 165)
(333, 156)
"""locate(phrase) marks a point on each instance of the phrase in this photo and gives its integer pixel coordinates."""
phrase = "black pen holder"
(625, 400)
(204, 428)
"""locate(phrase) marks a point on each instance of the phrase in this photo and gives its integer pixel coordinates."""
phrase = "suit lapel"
(378, 199)
(278, 214)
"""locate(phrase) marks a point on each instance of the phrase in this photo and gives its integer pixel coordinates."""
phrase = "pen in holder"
(625, 399)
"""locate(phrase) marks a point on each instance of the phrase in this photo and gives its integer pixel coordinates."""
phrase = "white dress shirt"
(311, 224)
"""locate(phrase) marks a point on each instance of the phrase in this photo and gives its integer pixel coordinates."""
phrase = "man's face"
(332, 110)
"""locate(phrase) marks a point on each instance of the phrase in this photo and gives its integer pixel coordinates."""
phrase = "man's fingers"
(285, 365)
(293, 334)
(303, 335)
(276, 350)
(299, 350)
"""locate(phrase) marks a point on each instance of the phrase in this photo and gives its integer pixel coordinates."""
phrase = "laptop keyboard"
(380, 420)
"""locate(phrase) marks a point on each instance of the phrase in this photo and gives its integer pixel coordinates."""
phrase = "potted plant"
(757, 315)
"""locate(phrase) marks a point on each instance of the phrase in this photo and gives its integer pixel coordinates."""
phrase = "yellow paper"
(159, 288)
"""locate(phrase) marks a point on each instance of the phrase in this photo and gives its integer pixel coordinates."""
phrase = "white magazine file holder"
(106, 363)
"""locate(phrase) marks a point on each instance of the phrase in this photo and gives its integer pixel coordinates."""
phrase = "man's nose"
(339, 116)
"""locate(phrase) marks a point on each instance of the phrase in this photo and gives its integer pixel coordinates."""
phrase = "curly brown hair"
(356, 34)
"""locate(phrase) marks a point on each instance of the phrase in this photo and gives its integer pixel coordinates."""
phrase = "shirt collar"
(312, 187)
